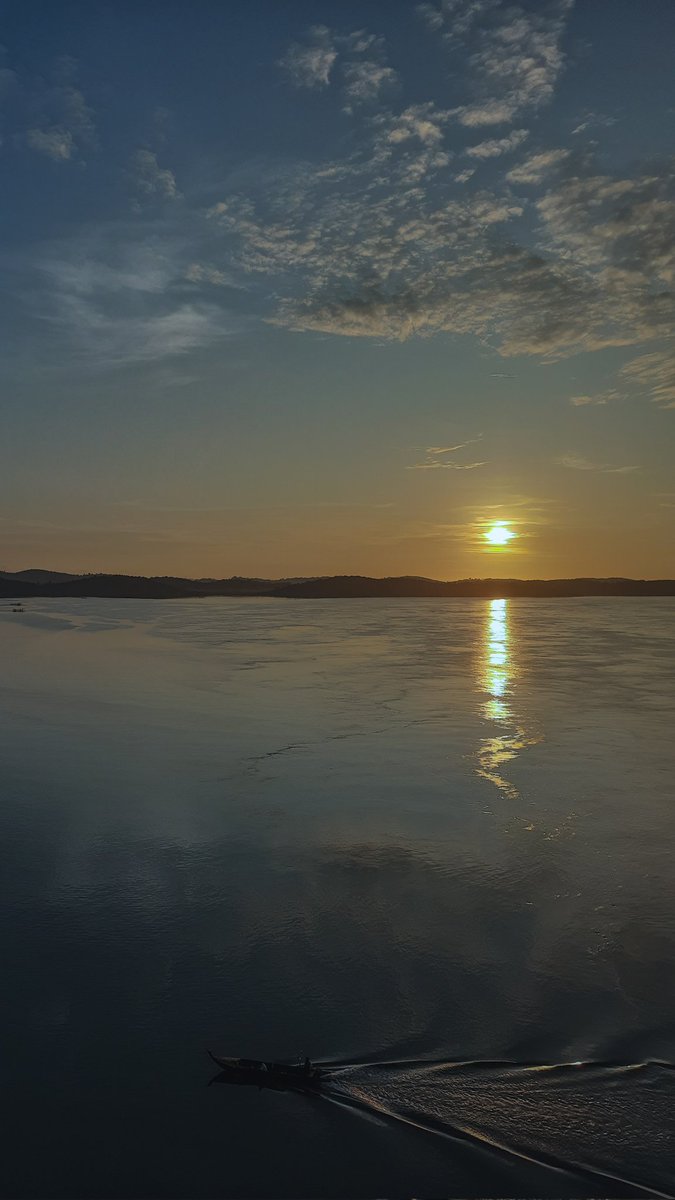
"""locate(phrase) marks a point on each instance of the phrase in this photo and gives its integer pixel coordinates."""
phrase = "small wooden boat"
(268, 1074)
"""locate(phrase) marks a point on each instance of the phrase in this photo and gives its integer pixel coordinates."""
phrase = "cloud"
(118, 295)
(432, 16)
(583, 464)
(309, 65)
(422, 121)
(62, 123)
(513, 53)
(365, 80)
(391, 241)
(358, 60)
(654, 374)
(593, 121)
(451, 449)
(497, 146)
(598, 399)
(206, 273)
(58, 144)
(151, 180)
(536, 168)
(433, 462)
(446, 466)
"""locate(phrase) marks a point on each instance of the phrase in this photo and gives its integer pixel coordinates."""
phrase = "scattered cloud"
(391, 240)
(358, 59)
(365, 80)
(497, 146)
(513, 53)
(536, 168)
(583, 464)
(371, 247)
(422, 121)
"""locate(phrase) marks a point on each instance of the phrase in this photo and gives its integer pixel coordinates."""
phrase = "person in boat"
(307, 1066)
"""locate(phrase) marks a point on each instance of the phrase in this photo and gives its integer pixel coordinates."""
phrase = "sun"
(499, 534)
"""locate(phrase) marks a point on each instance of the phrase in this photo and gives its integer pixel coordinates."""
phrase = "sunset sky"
(297, 288)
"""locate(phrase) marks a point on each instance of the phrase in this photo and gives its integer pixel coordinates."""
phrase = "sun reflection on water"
(498, 672)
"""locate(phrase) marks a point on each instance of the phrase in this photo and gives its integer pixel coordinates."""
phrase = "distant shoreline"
(21, 585)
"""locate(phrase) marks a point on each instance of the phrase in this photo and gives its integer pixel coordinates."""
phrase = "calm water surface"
(427, 842)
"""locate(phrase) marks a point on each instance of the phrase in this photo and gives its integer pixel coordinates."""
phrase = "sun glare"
(499, 534)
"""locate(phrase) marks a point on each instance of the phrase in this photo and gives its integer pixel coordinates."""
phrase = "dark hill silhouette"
(411, 585)
(54, 583)
(36, 576)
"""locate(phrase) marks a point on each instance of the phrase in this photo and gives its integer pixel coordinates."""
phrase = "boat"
(300, 1076)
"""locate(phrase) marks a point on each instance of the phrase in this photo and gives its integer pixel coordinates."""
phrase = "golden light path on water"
(498, 672)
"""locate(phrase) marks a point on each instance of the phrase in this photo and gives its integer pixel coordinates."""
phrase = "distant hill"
(412, 585)
(36, 576)
(23, 584)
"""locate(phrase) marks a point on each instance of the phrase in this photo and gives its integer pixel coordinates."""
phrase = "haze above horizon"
(339, 289)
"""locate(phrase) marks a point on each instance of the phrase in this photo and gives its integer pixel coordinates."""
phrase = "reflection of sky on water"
(498, 672)
(249, 824)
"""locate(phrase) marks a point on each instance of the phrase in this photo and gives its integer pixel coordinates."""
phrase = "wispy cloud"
(593, 121)
(207, 273)
(575, 463)
(654, 374)
(597, 398)
(61, 126)
(433, 461)
(309, 63)
(57, 143)
(451, 449)
(118, 295)
(151, 181)
(445, 466)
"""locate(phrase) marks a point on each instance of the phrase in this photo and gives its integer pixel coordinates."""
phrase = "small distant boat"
(300, 1076)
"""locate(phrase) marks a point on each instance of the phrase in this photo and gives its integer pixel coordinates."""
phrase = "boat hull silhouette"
(255, 1072)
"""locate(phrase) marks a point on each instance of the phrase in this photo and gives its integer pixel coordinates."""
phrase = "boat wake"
(599, 1121)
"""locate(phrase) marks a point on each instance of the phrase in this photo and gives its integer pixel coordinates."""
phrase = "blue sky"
(313, 288)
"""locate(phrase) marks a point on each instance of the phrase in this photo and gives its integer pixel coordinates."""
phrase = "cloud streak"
(445, 466)
(574, 463)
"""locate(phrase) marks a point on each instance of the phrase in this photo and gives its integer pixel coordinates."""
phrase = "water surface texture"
(428, 843)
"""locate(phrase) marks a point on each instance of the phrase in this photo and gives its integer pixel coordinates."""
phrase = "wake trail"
(599, 1120)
